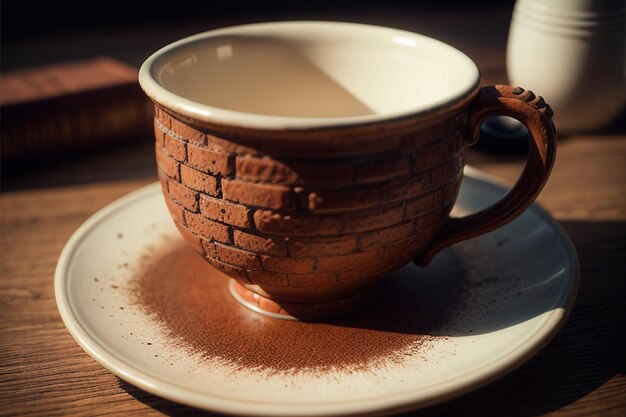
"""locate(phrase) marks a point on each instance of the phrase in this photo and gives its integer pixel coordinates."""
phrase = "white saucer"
(519, 286)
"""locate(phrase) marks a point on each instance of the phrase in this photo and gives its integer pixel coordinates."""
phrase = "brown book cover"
(68, 108)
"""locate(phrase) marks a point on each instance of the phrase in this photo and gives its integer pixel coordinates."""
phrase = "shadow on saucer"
(162, 405)
(585, 360)
(477, 287)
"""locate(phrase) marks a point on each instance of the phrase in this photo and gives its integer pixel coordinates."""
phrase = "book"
(57, 110)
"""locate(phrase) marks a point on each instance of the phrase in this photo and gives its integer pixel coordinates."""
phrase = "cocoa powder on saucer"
(191, 301)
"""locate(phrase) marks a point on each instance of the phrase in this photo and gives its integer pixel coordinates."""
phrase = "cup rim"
(211, 115)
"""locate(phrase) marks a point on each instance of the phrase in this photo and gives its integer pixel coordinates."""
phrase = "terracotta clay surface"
(308, 221)
(309, 228)
(536, 114)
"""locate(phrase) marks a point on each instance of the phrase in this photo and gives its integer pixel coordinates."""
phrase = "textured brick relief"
(291, 222)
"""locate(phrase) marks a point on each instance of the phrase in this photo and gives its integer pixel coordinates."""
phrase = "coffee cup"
(308, 160)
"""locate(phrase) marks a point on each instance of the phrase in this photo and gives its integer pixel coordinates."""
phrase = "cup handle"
(536, 115)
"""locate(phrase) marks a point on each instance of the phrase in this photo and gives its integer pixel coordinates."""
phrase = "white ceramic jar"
(573, 51)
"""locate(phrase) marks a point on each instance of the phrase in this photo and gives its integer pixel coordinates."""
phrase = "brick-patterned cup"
(306, 160)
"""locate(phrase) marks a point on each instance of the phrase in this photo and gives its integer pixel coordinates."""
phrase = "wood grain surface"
(580, 373)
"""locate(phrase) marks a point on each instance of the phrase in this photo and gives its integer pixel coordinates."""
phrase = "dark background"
(36, 33)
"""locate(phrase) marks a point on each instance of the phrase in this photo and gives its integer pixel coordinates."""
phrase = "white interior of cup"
(306, 74)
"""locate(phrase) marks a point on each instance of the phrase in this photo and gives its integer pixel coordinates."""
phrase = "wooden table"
(580, 373)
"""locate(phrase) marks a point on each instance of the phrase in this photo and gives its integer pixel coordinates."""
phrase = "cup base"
(300, 311)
